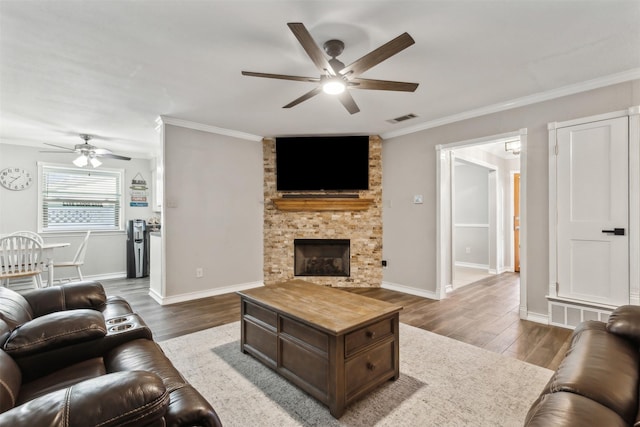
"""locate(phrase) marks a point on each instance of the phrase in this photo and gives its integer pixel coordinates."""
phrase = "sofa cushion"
(5, 332)
(602, 367)
(625, 321)
(564, 409)
(14, 308)
(119, 399)
(55, 330)
(62, 378)
(10, 380)
(186, 405)
(69, 296)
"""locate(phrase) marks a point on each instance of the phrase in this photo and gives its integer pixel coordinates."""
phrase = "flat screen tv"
(326, 163)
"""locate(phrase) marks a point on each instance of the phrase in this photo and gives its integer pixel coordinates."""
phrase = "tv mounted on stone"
(322, 163)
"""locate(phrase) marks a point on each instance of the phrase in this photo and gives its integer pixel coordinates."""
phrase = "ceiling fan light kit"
(334, 86)
(88, 154)
(338, 79)
(81, 161)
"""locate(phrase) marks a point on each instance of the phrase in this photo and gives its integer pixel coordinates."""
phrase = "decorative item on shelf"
(139, 191)
(153, 223)
(14, 178)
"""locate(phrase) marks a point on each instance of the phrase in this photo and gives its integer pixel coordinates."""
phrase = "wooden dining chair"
(20, 256)
(78, 259)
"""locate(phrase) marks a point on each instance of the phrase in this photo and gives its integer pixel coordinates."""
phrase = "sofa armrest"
(55, 330)
(121, 398)
(625, 322)
(71, 296)
(187, 407)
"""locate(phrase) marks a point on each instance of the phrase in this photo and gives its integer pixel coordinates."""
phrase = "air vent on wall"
(402, 118)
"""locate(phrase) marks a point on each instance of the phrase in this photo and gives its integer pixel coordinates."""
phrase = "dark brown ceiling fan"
(335, 77)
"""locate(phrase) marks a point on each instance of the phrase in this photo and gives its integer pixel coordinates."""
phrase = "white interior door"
(593, 212)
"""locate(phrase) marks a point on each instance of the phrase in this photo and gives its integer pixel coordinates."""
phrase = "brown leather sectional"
(70, 356)
(596, 383)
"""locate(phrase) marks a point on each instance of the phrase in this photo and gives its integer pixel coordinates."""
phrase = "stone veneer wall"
(363, 228)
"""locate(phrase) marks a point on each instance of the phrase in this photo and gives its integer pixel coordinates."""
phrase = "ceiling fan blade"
(112, 156)
(349, 103)
(315, 53)
(378, 55)
(281, 77)
(60, 146)
(55, 151)
(358, 83)
(304, 97)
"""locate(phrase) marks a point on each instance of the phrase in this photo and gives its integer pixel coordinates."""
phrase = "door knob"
(615, 231)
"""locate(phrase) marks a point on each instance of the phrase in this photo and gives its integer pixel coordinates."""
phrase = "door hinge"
(557, 149)
(557, 288)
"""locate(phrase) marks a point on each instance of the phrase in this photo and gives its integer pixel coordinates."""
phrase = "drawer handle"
(371, 366)
(371, 334)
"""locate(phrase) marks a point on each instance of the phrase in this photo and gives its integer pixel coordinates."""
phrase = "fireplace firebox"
(321, 257)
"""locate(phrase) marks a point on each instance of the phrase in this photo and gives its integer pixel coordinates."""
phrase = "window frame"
(121, 211)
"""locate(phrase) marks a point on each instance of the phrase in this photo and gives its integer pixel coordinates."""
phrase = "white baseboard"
(156, 296)
(202, 294)
(109, 276)
(471, 265)
(411, 291)
(533, 317)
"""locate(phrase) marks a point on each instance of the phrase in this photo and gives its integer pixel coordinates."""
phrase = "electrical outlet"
(199, 272)
(468, 249)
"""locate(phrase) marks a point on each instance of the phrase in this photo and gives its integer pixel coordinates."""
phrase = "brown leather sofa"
(70, 356)
(596, 383)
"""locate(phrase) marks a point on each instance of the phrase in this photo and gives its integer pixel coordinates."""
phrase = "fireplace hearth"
(321, 257)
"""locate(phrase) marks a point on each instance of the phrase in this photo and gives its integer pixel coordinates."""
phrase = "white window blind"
(75, 199)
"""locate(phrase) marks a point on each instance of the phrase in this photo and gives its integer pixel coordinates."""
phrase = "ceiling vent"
(402, 118)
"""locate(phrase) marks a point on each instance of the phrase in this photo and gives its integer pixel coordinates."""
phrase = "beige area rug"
(442, 382)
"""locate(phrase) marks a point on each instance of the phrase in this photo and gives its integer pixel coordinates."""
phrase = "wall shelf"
(322, 204)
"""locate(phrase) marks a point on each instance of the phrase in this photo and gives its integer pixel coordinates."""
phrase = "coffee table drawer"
(267, 316)
(307, 368)
(368, 335)
(369, 369)
(304, 333)
(260, 342)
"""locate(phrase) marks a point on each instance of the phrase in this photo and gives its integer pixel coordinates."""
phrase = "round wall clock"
(15, 179)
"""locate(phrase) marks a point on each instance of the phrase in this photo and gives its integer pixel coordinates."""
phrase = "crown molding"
(597, 83)
(207, 128)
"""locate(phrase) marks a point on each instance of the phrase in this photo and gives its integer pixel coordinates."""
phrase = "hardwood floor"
(484, 314)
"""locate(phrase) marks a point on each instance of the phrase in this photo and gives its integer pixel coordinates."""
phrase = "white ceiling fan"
(88, 154)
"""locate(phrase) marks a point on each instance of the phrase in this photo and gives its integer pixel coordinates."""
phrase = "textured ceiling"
(110, 68)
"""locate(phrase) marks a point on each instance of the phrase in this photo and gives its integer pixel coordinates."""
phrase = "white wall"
(106, 253)
(504, 168)
(212, 212)
(471, 214)
(409, 164)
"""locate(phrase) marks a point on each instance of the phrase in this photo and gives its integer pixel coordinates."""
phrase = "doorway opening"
(480, 225)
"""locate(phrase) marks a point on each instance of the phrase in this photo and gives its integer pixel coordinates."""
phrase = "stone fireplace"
(319, 215)
(321, 257)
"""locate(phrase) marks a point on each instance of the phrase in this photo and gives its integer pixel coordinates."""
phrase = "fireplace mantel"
(322, 204)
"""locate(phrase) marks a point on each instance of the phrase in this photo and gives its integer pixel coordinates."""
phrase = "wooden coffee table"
(335, 345)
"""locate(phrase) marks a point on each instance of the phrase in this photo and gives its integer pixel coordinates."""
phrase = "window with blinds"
(74, 199)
